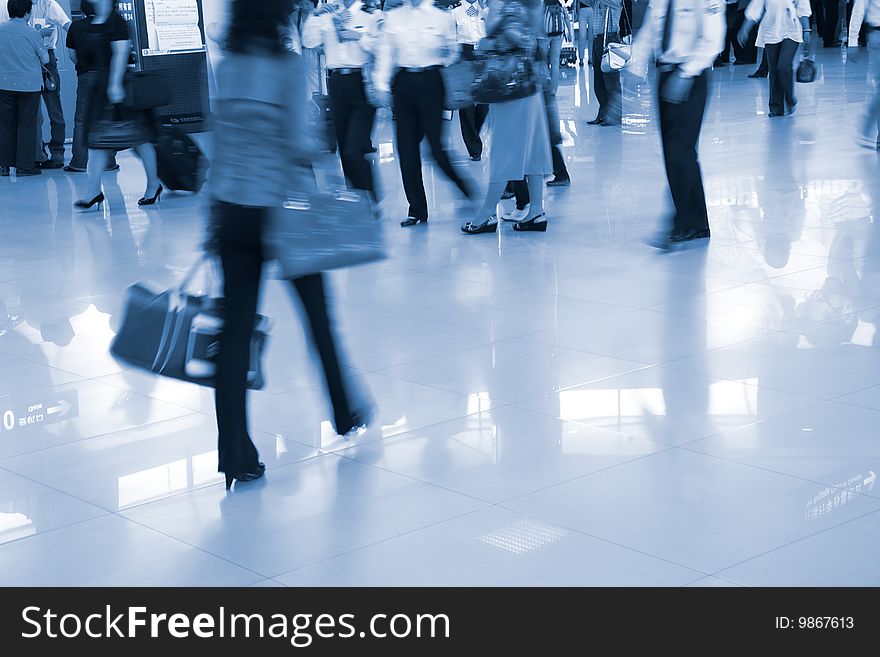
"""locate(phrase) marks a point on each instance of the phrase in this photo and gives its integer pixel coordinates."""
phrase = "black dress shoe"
(476, 158)
(559, 181)
(4, 172)
(245, 476)
(759, 74)
(506, 194)
(27, 172)
(597, 121)
(50, 164)
(689, 236)
(412, 221)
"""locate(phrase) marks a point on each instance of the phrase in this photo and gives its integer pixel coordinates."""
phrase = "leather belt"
(344, 71)
(420, 69)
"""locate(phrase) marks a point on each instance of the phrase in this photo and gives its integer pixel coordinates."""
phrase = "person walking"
(50, 21)
(867, 12)
(557, 25)
(80, 42)
(520, 134)
(417, 40)
(345, 31)
(683, 37)
(110, 50)
(783, 26)
(258, 154)
(606, 18)
(22, 54)
(470, 28)
(584, 19)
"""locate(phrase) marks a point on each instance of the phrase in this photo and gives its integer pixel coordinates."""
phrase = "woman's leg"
(314, 300)
(585, 15)
(555, 50)
(98, 159)
(536, 194)
(490, 202)
(147, 153)
(239, 232)
(785, 71)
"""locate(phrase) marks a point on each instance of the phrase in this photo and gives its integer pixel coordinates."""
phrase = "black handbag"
(145, 90)
(50, 80)
(806, 71)
(176, 334)
(116, 130)
(503, 76)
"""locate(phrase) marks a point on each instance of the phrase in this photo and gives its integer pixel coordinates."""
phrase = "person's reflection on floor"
(780, 197)
(686, 397)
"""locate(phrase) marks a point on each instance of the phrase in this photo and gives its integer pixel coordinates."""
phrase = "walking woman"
(557, 24)
(784, 25)
(259, 153)
(520, 146)
(109, 52)
(606, 18)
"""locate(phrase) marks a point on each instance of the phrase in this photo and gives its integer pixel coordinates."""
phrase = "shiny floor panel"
(565, 408)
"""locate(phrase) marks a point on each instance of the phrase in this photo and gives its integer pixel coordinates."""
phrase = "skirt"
(520, 144)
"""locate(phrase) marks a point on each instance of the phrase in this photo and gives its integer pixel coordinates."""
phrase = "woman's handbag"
(50, 80)
(806, 71)
(146, 90)
(503, 76)
(116, 130)
(458, 82)
(318, 231)
(176, 334)
(615, 55)
(554, 20)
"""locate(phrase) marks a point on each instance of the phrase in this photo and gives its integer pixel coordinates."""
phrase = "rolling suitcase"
(180, 162)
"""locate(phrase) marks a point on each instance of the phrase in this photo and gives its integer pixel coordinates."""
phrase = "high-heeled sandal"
(245, 476)
(87, 205)
(154, 199)
(532, 224)
(488, 226)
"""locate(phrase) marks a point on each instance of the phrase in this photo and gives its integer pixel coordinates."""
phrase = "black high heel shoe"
(155, 198)
(532, 224)
(245, 476)
(487, 226)
(86, 205)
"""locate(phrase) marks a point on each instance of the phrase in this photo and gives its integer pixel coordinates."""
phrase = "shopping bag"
(806, 71)
(315, 231)
(176, 334)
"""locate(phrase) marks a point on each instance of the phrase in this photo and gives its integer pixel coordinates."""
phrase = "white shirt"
(779, 19)
(321, 31)
(697, 36)
(470, 22)
(867, 11)
(414, 37)
(49, 13)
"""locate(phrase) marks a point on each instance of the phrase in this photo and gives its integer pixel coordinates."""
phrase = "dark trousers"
(18, 128)
(731, 20)
(764, 67)
(606, 85)
(52, 99)
(780, 63)
(239, 236)
(418, 100)
(830, 20)
(472, 118)
(747, 54)
(680, 125)
(353, 120)
(817, 8)
(87, 95)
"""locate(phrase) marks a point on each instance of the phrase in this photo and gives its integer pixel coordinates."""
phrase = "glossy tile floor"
(568, 408)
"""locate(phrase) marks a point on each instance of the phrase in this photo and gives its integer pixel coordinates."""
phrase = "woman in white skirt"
(520, 138)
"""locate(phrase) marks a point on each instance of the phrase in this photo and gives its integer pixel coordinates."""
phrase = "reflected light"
(161, 481)
(14, 526)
